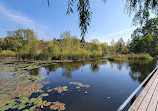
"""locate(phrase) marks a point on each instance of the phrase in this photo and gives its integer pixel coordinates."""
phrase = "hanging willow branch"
(141, 9)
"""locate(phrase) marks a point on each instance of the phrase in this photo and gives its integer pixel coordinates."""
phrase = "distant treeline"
(23, 44)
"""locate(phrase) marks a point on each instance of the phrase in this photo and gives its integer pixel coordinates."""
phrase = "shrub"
(130, 56)
(0, 49)
(7, 53)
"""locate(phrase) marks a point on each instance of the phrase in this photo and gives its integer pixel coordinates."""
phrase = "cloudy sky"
(109, 21)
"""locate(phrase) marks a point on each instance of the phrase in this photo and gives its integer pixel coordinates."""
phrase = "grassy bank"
(78, 56)
(130, 56)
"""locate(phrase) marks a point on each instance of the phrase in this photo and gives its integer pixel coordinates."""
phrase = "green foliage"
(21, 106)
(7, 53)
(32, 108)
(0, 49)
(105, 49)
(130, 56)
(15, 106)
(142, 9)
(23, 42)
(69, 47)
(145, 39)
(120, 47)
(24, 45)
(4, 108)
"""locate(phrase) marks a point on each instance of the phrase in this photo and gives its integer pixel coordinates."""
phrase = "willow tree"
(140, 8)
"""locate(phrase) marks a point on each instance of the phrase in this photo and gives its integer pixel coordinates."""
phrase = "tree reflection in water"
(139, 69)
(94, 65)
(68, 68)
(34, 71)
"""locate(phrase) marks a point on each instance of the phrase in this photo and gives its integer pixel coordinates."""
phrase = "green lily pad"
(5, 108)
(32, 108)
(79, 84)
(26, 110)
(21, 106)
(78, 87)
(15, 106)
(32, 100)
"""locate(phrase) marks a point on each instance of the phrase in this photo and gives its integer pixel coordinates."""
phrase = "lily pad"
(61, 89)
(58, 106)
(21, 106)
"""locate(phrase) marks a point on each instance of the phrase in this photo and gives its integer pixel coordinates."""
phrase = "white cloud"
(125, 31)
(125, 34)
(22, 20)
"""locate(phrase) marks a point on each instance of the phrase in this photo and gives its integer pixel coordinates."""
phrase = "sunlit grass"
(130, 56)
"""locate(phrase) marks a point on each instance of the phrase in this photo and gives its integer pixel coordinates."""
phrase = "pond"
(98, 85)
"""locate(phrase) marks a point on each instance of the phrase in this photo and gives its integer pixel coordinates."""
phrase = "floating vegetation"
(79, 85)
(61, 89)
(49, 90)
(17, 85)
(48, 104)
(58, 106)
(43, 95)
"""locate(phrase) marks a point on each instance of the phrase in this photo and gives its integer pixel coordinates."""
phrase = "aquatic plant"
(58, 106)
(21, 106)
(17, 83)
(49, 90)
(79, 85)
(61, 89)
(47, 104)
(43, 95)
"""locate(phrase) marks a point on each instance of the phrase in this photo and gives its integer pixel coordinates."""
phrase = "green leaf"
(21, 106)
(5, 108)
(32, 108)
(15, 106)
(77, 87)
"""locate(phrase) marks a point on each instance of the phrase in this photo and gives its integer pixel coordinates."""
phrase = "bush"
(139, 56)
(0, 49)
(7, 53)
(130, 56)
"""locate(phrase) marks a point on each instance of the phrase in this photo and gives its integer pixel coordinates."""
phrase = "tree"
(120, 46)
(105, 49)
(21, 41)
(95, 45)
(112, 48)
(11, 43)
(146, 39)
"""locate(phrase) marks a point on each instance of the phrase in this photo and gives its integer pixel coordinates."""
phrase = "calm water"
(110, 82)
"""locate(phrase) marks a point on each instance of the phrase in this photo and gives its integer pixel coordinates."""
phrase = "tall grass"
(131, 56)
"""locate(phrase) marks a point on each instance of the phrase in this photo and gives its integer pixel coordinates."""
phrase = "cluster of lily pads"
(79, 85)
(61, 89)
(17, 86)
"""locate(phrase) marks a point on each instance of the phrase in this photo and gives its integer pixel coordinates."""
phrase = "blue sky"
(109, 21)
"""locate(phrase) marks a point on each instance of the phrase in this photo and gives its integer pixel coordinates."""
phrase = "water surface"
(110, 82)
(98, 85)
